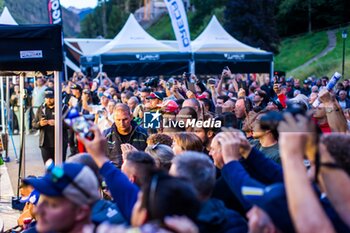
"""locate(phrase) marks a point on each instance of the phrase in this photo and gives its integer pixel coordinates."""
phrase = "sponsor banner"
(31, 54)
(55, 11)
(179, 21)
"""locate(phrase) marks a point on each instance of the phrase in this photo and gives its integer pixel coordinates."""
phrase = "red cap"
(170, 106)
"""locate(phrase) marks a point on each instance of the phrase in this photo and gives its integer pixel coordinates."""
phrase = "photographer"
(45, 122)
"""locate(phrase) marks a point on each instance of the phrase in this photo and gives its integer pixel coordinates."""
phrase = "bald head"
(193, 103)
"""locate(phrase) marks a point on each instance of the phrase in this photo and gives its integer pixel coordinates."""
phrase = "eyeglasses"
(58, 174)
(155, 146)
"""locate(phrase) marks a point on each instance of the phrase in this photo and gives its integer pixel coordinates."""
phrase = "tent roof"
(133, 39)
(30, 47)
(6, 17)
(86, 46)
(216, 39)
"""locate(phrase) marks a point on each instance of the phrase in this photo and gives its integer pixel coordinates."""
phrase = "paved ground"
(9, 176)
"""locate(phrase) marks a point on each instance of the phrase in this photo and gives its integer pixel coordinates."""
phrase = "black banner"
(55, 11)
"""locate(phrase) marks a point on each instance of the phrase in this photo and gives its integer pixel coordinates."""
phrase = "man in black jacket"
(123, 130)
(45, 122)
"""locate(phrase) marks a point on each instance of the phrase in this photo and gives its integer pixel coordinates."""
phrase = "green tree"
(107, 18)
(1, 5)
(253, 22)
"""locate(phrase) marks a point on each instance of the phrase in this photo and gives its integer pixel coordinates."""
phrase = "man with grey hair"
(200, 171)
(344, 102)
(162, 155)
(132, 103)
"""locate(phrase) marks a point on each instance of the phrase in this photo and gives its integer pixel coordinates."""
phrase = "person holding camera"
(45, 122)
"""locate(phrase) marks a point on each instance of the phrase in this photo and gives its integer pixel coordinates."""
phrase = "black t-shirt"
(124, 138)
(49, 135)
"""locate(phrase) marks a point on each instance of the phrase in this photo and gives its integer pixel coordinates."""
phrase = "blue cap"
(33, 197)
(272, 199)
(73, 181)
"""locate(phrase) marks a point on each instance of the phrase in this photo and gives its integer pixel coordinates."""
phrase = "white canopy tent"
(215, 47)
(134, 52)
(133, 38)
(75, 48)
(6, 17)
(215, 38)
(84, 46)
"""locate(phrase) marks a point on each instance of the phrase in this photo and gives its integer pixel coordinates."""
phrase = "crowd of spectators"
(262, 155)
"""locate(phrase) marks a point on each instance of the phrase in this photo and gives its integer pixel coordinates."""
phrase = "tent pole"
(58, 119)
(21, 169)
(65, 67)
(8, 111)
(2, 105)
(192, 64)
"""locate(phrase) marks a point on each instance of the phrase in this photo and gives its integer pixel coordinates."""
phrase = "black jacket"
(214, 217)
(137, 138)
(36, 125)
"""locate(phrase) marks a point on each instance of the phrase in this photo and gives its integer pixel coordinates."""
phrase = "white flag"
(180, 25)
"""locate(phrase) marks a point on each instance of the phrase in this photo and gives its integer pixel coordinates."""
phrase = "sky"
(79, 3)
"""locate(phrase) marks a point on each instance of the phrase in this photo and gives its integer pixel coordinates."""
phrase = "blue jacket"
(214, 217)
(262, 169)
(236, 177)
(124, 192)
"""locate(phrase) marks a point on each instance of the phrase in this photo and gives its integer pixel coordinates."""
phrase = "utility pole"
(104, 18)
(309, 15)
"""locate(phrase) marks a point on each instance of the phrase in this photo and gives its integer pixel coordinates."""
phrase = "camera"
(271, 120)
(188, 75)
(152, 82)
(79, 124)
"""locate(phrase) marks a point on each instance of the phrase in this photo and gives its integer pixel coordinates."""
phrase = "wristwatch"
(329, 110)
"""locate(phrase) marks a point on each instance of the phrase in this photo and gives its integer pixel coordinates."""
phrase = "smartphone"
(187, 74)
(211, 81)
(73, 101)
(169, 85)
(218, 110)
(79, 124)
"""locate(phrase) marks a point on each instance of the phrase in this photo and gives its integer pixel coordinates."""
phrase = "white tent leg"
(58, 119)
(21, 124)
(3, 124)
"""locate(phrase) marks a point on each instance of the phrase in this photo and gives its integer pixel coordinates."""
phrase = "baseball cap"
(96, 80)
(73, 181)
(107, 95)
(156, 95)
(169, 106)
(76, 87)
(49, 93)
(307, 82)
(273, 200)
(33, 197)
